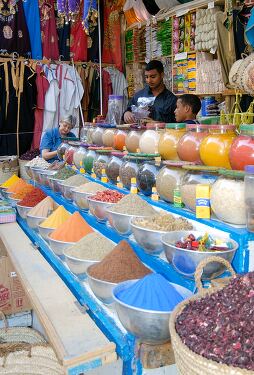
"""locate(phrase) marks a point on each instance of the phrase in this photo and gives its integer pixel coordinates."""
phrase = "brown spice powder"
(119, 265)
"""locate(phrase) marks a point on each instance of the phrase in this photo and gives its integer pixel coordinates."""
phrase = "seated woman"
(53, 138)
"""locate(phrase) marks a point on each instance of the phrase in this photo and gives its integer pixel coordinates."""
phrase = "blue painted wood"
(77, 370)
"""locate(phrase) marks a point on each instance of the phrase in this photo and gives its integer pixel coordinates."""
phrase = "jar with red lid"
(242, 149)
(189, 143)
(214, 148)
(169, 140)
(149, 140)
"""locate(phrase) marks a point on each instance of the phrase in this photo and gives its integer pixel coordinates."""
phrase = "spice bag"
(8, 166)
(188, 362)
(24, 351)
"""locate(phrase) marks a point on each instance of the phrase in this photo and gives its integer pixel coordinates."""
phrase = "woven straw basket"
(24, 351)
(188, 362)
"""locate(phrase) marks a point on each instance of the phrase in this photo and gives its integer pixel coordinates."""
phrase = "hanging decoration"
(68, 9)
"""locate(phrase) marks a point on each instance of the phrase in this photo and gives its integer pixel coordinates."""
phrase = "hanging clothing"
(151, 6)
(93, 39)
(32, 14)
(94, 104)
(240, 20)
(86, 75)
(90, 15)
(167, 4)
(14, 36)
(78, 45)
(111, 51)
(107, 90)
(119, 84)
(63, 31)
(48, 29)
(50, 117)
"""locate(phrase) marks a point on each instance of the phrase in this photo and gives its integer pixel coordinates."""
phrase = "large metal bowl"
(77, 265)
(66, 190)
(148, 326)
(186, 261)
(98, 209)
(148, 239)
(120, 222)
(59, 246)
(35, 173)
(101, 289)
(28, 170)
(80, 198)
(34, 221)
(45, 232)
(43, 176)
(13, 201)
(54, 184)
(23, 210)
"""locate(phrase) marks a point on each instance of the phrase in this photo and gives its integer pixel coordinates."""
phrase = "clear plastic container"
(119, 138)
(188, 146)
(97, 136)
(149, 140)
(108, 137)
(115, 109)
(191, 179)
(88, 160)
(168, 179)
(242, 149)
(113, 166)
(227, 197)
(79, 156)
(146, 177)
(249, 196)
(169, 140)
(100, 162)
(132, 139)
(214, 149)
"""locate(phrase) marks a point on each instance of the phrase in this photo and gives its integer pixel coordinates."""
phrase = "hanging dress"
(63, 31)
(48, 29)
(32, 14)
(78, 45)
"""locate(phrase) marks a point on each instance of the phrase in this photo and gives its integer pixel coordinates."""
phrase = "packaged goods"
(203, 201)
(59, 216)
(132, 204)
(33, 198)
(43, 208)
(203, 243)
(163, 222)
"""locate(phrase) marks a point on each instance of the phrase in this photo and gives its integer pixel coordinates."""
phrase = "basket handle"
(2, 316)
(203, 263)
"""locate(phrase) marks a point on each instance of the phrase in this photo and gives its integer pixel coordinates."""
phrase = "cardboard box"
(13, 298)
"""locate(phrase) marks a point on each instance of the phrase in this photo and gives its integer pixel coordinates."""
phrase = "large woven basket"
(8, 166)
(188, 362)
(24, 351)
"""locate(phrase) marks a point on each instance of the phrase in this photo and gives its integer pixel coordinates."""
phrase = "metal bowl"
(34, 221)
(77, 265)
(4, 193)
(13, 201)
(66, 190)
(23, 210)
(35, 173)
(186, 261)
(101, 289)
(120, 222)
(28, 170)
(45, 232)
(148, 239)
(98, 209)
(59, 246)
(43, 176)
(54, 184)
(148, 326)
(80, 198)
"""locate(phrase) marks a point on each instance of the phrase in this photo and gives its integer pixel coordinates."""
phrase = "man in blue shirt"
(53, 138)
(165, 101)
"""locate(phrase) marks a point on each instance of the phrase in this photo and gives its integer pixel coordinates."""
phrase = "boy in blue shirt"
(187, 108)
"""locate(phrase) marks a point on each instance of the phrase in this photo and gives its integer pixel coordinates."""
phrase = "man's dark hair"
(193, 101)
(155, 64)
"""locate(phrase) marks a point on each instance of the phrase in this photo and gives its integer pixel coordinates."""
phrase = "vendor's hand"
(129, 118)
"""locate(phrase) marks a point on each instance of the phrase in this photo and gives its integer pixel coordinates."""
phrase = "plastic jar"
(146, 177)
(100, 162)
(108, 137)
(168, 179)
(188, 146)
(227, 197)
(129, 169)
(115, 109)
(90, 130)
(70, 151)
(169, 140)
(113, 166)
(88, 160)
(242, 149)
(84, 132)
(193, 177)
(149, 140)
(119, 138)
(249, 197)
(62, 148)
(79, 156)
(133, 138)
(97, 136)
(214, 149)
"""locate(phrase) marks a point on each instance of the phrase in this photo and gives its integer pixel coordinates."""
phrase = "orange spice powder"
(17, 187)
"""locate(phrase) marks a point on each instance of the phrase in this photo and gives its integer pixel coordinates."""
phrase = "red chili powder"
(33, 198)
(119, 265)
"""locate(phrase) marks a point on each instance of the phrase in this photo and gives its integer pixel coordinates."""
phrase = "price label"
(211, 5)
(82, 170)
(74, 168)
(181, 56)
(80, 163)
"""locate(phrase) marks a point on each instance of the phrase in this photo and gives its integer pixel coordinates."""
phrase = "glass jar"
(90, 130)
(62, 148)
(168, 179)
(249, 196)
(214, 149)
(97, 136)
(88, 160)
(146, 177)
(188, 145)
(119, 138)
(113, 166)
(79, 155)
(100, 162)
(227, 197)
(129, 169)
(149, 140)
(108, 137)
(133, 138)
(70, 151)
(242, 149)
(169, 140)
(193, 177)
(84, 132)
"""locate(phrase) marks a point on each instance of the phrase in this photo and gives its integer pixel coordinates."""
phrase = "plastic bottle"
(249, 196)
